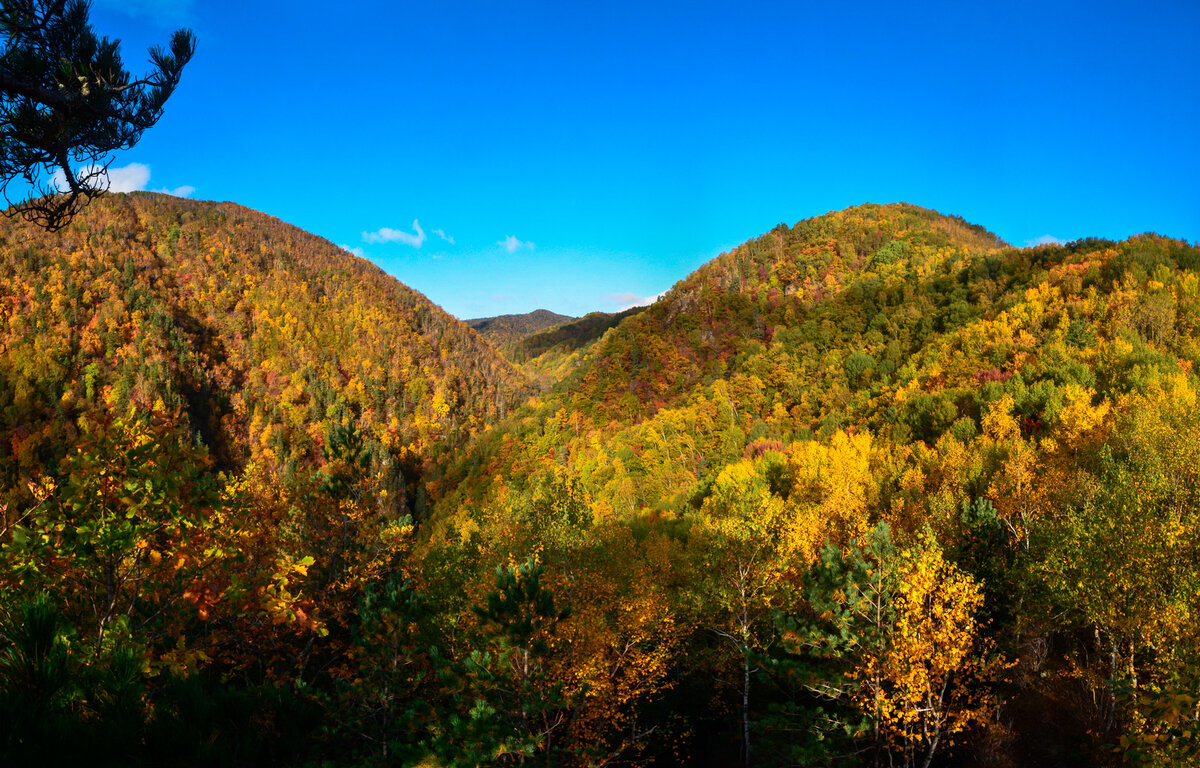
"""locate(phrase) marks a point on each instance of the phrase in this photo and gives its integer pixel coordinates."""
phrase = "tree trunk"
(929, 755)
(746, 707)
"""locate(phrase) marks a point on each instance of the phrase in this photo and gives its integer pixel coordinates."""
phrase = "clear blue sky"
(582, 155)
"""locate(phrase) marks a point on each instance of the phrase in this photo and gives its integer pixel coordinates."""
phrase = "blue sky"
(500, 157)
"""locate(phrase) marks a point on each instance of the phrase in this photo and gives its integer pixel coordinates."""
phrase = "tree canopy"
(67, 103)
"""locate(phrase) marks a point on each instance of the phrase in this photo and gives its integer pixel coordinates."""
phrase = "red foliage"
(990, 375)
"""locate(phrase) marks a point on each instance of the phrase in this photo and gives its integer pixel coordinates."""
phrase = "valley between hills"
(876, 488)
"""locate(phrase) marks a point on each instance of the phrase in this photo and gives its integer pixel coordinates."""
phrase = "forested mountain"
(506, 330)
(216, 427)
(259, 338)
(544, 346)
(569, 336)
(742, 298)
(873, 489)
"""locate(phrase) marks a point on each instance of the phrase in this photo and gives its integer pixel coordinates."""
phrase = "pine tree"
(67, 103)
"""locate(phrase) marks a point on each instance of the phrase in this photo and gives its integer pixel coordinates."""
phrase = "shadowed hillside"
(549, 356)
(569, 336)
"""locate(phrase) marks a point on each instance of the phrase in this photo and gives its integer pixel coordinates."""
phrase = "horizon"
(501, 160)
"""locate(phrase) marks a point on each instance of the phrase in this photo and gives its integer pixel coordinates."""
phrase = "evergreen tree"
(67, 103)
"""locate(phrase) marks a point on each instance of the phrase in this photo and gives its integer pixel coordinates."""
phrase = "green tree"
(1119, 567)
(35, 678)
(509, 707)
(67, 103)
(126, 530)
(888, 648)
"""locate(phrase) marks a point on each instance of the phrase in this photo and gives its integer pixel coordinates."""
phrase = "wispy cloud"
(185, 191)
(1044, 240)
(352, 249)
(444, 236)
(627, 300)
(161, 11)
(512, 244)
(388, 235)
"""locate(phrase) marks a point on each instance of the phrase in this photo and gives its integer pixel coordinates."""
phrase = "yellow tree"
(615, 651)
(1021, 485)
(927, 683)
(1121, 565)
(751, 543)
(830, 490)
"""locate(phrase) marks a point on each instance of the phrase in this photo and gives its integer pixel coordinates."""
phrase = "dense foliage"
(874, 489)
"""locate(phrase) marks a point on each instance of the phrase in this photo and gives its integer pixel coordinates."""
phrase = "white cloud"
(134, 177)
(389, 235)
(628, 300)
(512, 244)
(1044, 240)
(444, 236)
(131, 178)
(351, 249)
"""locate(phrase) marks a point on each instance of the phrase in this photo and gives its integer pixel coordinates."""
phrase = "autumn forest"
(876, 489)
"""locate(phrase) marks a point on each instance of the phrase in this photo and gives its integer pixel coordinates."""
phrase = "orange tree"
(132, 561)
(123, 533)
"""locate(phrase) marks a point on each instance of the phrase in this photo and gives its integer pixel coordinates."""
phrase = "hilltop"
(701, 326)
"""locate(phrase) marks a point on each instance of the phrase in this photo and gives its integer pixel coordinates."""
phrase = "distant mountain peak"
(504, 330)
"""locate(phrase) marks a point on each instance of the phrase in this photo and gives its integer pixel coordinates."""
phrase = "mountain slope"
(698, 329)
(547, 357)
(859, 319)
(265, 338)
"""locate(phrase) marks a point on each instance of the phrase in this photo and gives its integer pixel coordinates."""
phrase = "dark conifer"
(67, 103)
